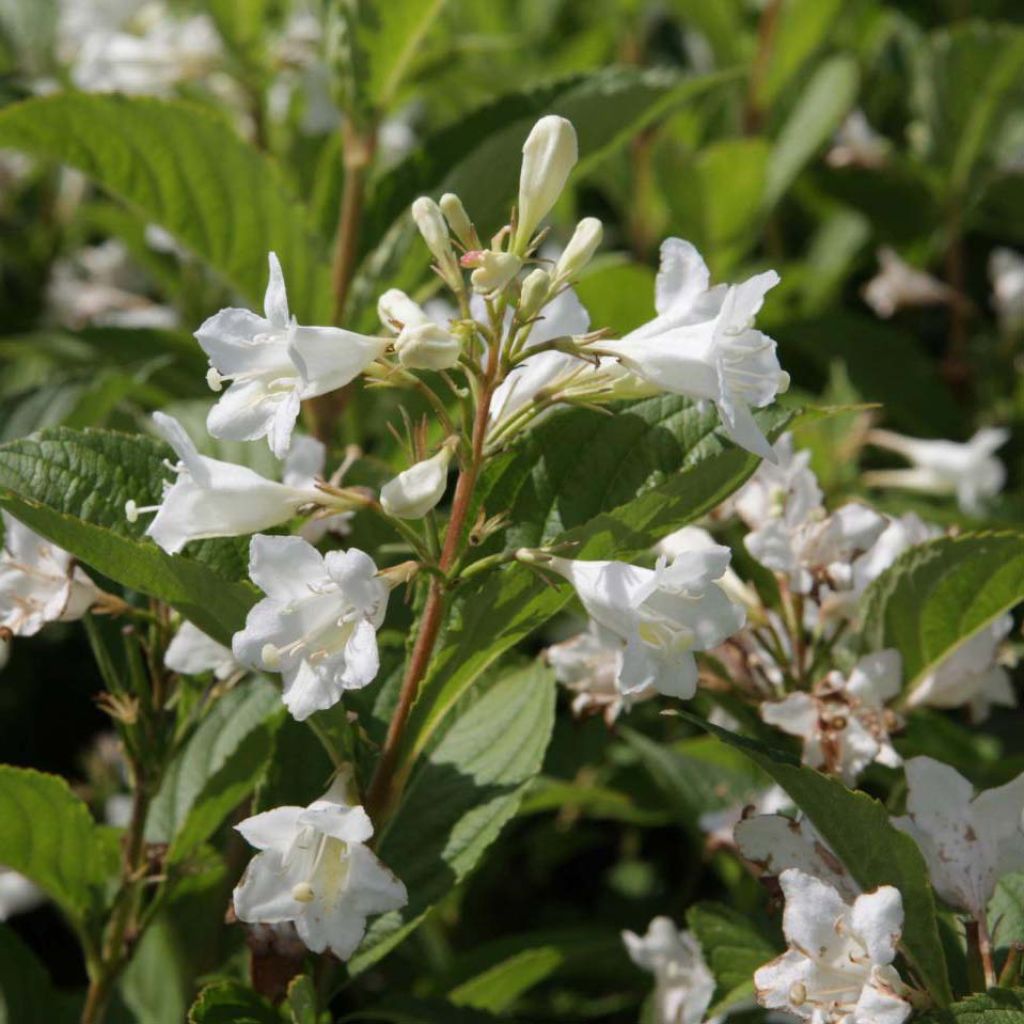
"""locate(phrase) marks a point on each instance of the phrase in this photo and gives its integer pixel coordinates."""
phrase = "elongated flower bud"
(427, 347)
(494, 270)
(458, 220)
(431, 224)
(580, 250)
(535, 293)
(413, 493)
(549, 154)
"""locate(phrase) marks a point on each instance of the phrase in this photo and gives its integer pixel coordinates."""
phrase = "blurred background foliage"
(825, 138)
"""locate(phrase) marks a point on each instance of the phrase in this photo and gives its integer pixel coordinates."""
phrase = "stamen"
(303, 892)
(133, 511)
(214, 380)
(270, 656)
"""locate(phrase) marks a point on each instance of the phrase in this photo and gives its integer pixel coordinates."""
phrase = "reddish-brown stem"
(380, 794)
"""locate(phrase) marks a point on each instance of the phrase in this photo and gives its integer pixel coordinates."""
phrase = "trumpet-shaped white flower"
(969, 470)
(838, 968)
(684, 985)
(549, 155)
(273, 364)
(211, 498)
(970, 674)
(317, 625)
(844, 723)
(969, 841)
(315, 870)
(18, 894)
(702, 344)
(588, 665)
(695, 538)
(422, 343)
(660, 616)
(782, 489)
(192, 652)
(415, 491)
(39, 582)
(898, 285)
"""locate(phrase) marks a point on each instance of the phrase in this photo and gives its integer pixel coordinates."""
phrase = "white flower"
(857, 144)
(844, 723)
(39, 582)
(431, 223)
(317, 625)
(415, 491)
(303, 467)
(898, 285)
(660, 616)
(684, 985)
(211, 498)
(588, 665)
(273, 364)
(720, 826)
(969, 841)
(784, 488)
(1006, 269)
(493, 271)
(838, 969)
(900, 535)
(695, 538)
(17, 894)
(702, 344)
(192, 652)
(549, 155)
(970, 674)
(422, 344)
(315, 869)
(969, 470)
(776, 843)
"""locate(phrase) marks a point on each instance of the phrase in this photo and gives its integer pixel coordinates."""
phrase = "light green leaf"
(617, 295)
(824, 102)
(802, 26)
(71, 486)
(230, 1002)
(497, 988)
(300, 1003)
(858, 830)
(938, 595)
(468, 785)
(186, 170)
(733, 947)
(219, 765)
(1006, 910)
(49, 836)
(997, 1006)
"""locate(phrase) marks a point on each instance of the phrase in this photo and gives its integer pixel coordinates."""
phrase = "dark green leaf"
(997, 1006)
(230, 1002)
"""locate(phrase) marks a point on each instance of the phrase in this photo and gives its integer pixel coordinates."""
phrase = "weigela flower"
(588, 665)
(898, 285)
(695, 538)
(702, 344)
(315, 870)
(211, 498)
(39, 582)
(421, 344)
(684, 985)
(303, 468)
(776, 843)
(970, 674)
(18, 894)
(857, 144)
(273, 364)
(784, 488)
(838, 969)
(192, 652)
(969, 470)
(660, 616)
(969, 841)
(843, 722)
(317, 625)
(416, 490)
(900, 535)
(549, 155)
(720, 826)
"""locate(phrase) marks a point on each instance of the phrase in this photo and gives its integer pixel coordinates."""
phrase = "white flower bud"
(458, 220)
(395, 307)
(494, 271)
(580, 250)
(412, 494)
(427, 347)
(5, 649)
(549, 154)
(430, 221)
(535, 293)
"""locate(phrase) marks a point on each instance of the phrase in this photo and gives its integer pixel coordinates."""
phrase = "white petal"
(812, 909)
(245, 411)
(308, 689)
(371, 887)
(275, 302)
(877, 677)
(284, 567)
(796, 714)
(877, 917)
(329, 357)
(349, 824)
(265, 893)
(683, 277)
(174, 434)
(304, 462)
(336, 928)
(274, 829)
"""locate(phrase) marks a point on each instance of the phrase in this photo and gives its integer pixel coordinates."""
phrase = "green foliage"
(71, 486)
(997, 1006)
(27, 995)
(230, 1002)
(184, 169)
(50, 837)
(938, 595)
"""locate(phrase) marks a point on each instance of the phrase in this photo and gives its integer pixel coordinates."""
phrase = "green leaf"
(300, 1002)
(467, 787)
(733, 947)
(409, 1010)
(1006, 910)
(71, 486)
(612, 484)
(801, 28)
(617, 295)
(858, 830)
(824, 102)
(231, 1002)
(938, 595)
(49, 836)
(27, 995)
(217, 768)
(498, 988)
(185, 169)
(997, 1006)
